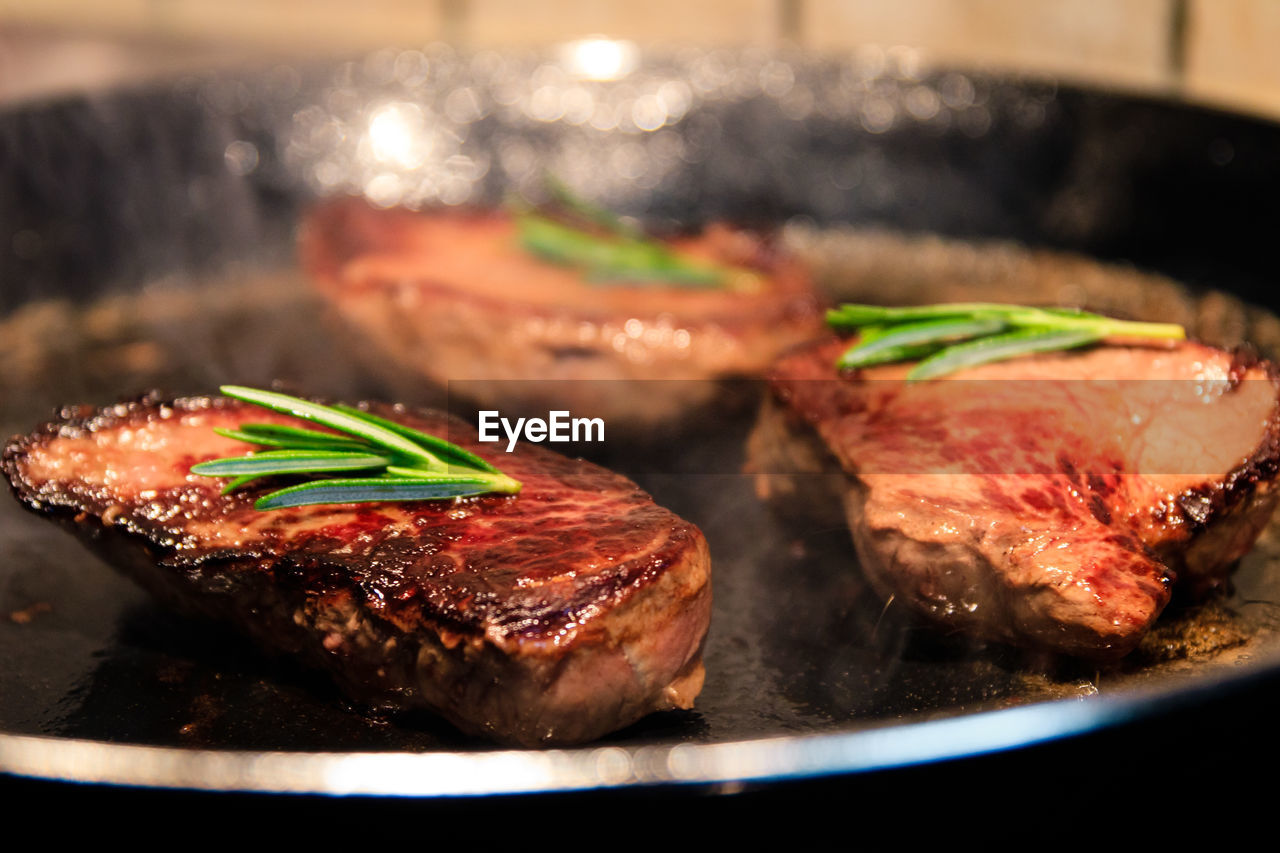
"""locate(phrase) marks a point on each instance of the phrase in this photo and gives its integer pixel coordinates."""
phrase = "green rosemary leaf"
(274, 462)
(412, 464)
(853, 361)
(596, 215)
(497, 481)
(1072, 313)
(561, 244)
(853, 316)
(449, 453)
(356, 425)
(914, 340)
(953, 336)
(369, 489)
(1001, 348)
(659, 273)
(1110, 328)
(269, 435)
(282, 433)
(237, 483)
(612, 258)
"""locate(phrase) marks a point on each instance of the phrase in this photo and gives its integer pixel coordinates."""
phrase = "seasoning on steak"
(555, 616)
(451, 295)
(1048, 501)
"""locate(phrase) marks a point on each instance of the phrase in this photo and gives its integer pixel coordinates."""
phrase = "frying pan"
(146, 239)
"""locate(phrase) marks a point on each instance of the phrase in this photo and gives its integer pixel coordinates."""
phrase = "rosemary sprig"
(573, 232)
(950, 337)
(394, 462)
(601, 217)
(610, 258)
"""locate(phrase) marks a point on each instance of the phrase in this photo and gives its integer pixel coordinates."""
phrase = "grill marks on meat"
(451, 295)
(1049, 501)
(557, 616)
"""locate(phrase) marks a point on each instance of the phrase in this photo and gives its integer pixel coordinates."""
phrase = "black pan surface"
(146, 240)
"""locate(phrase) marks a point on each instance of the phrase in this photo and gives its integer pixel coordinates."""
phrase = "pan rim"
(873, 748)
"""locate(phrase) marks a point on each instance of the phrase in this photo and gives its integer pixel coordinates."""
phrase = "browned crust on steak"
(552, 617)
(983, 559)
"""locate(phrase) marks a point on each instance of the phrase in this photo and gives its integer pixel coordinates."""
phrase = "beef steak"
(554, 616)
(451, 296)
(1049, 501)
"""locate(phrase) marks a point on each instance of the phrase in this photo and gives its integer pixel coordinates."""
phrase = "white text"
(558, 427)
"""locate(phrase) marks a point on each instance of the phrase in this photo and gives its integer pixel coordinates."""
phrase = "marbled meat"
(1050, 501)
(555, 616)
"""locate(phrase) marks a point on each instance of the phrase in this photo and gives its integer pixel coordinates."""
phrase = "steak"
(1050, 501)
(555, 616)
(450, 295)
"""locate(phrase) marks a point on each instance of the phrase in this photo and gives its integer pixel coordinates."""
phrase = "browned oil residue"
(27, 615)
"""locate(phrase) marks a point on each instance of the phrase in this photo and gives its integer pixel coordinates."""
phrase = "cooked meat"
(1049, 501)
(450, 295)
(555, 616)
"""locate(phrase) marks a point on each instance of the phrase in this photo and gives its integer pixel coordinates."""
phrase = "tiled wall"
(1222, 51)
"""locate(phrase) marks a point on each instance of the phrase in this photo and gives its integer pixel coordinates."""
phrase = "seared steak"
(1048, 501)
(555, 616)
(450, 295)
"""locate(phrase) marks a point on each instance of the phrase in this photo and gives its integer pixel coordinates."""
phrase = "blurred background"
(1219, 52)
